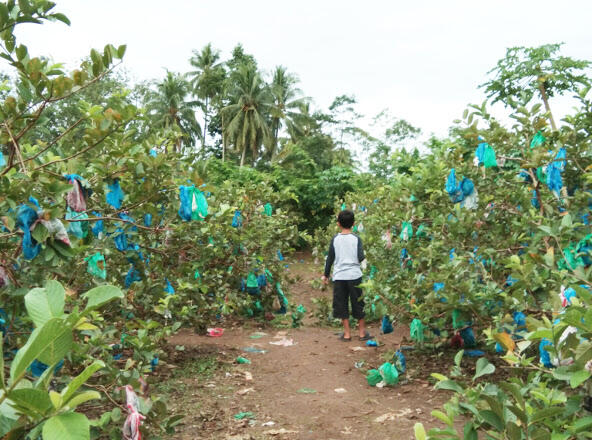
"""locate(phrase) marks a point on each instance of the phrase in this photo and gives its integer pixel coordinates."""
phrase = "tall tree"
(169, 106)
(287, 103)
(207, 81)
(245, 118)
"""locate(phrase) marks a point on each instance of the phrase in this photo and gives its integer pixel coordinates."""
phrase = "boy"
(347, 253)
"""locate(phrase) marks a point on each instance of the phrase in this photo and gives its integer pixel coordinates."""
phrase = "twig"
(17, 149)
(56, 140)
(84, 150)
(96, 219)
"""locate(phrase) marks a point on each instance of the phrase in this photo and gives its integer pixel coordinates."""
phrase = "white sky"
(421, 59)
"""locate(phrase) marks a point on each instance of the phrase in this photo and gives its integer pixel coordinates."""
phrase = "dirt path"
(310, 390)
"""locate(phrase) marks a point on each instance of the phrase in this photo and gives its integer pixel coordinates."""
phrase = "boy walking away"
(346, 252)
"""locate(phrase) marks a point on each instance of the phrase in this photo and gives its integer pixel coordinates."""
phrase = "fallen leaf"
(279, 431)
(245, 391)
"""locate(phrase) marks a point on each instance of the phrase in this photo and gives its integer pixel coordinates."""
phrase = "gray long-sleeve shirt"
(347, 253)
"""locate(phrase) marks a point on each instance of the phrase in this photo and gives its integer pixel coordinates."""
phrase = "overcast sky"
(423, 59)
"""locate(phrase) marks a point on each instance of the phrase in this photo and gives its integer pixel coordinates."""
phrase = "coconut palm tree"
(287, 105)
(207, 80)
(168, 106)
(245, 118)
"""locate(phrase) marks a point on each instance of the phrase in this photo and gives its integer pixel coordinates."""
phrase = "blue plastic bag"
(480, 152)
(115, 195)
(280, 256)
(194, 205)
(98, 227)
(468, 337)
(386, 326)
(37, 368)
(26, 216)
(554, 169)
(262, 280)
(132, 276)
(169, 289)
(147, 220)
(453, 188)
(2, 160)
(545, 357)
(237, 220)
(120, 240)
(400, 361)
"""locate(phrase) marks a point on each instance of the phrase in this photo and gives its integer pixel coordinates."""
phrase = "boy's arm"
(330, 259)
(361, 255)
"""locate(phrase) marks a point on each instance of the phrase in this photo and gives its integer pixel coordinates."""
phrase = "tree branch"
(84, 150)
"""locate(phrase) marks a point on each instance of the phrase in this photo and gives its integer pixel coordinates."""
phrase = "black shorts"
(344, 292)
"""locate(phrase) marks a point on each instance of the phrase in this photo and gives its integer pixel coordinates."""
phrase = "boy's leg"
(346, 329)
(341, 306)
(357, 302)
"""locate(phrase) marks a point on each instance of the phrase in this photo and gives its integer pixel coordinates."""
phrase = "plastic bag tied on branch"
(131, 427)
(194, 205)
(114, 196)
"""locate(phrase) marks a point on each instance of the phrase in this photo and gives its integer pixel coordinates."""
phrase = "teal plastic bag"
(416, 330)
(421, 232)
(389, 373)
(373, 377)
(78, 228)
(268, 209)
(537, 140)
(489, 159)
(97, 266)
(252, 284)
(406, 231)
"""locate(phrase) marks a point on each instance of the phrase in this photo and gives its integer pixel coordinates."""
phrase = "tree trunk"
(223, 140)
(203, 140)
(275, 139)
(243, 155)
(547, 107)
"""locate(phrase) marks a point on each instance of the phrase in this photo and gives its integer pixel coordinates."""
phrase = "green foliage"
(34, 406)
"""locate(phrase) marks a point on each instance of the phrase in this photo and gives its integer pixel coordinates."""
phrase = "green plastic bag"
(252, 284)
(78, 228)
(268, 209)
(406, 231)
(458, 320)
(199, 204)
(537, 140)
(373, 271)
(569, 260)
(343, 206)
(96, 265)
(421, 232)
(269, 276)
(416, 330)
(389, 373)
(242, 360)
(489, 159)
(373, 377)
(282, 298)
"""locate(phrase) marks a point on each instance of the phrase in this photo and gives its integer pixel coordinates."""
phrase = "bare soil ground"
(310, 390)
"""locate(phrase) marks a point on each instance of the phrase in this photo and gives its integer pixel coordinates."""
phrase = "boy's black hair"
(346, 219)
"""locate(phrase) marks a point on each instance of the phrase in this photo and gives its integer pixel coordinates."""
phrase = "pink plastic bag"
(131, 427)
(75, 197)
(215, 332)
